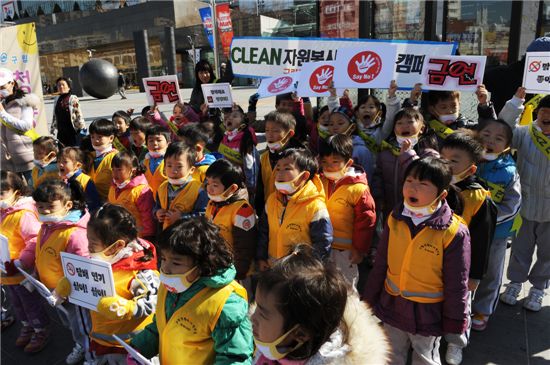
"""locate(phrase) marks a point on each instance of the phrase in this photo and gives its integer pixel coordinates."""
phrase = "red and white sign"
(371, 67)
(460, 73)
(315, 78)
(225, 27)
(536, 75)
(278, 85)
(162, 89)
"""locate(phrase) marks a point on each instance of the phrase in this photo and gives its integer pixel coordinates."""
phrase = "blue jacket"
(362, 156)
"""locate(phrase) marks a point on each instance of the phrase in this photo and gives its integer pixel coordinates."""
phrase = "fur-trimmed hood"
(30, 99)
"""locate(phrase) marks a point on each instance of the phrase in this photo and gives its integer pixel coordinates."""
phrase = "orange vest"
(37, 180)
(127, 198)
(473, 200)
(268, 177)
(83, 180)
(225, 218)
(184, 201)
(156, 178)
(103, 175)
(48, 260)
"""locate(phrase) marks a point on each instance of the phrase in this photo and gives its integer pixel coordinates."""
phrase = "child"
(61, 209)
(138, 141)
(239, 146)
(102, 134)
(411, 139)
(194, 136)
(498, 171)
(19, 223)
(464, 152)
(296, 212)
(349, 204)
(45, 160)
(211, 126)
(70, 164)
(131, 191)
(320, 130)
(113, 238)
(182, 115)
(305, 314)
(230, 210)
(121, 120)
(181, 196)
(197, 288)
(418, 286)
(157, 139)
(533, 161)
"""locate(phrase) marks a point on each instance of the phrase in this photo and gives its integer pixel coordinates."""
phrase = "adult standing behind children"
(204, 74)
(67, 121)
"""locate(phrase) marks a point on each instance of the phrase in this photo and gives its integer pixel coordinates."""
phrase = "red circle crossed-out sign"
(364, 67)
(70, 269)
(534, 66)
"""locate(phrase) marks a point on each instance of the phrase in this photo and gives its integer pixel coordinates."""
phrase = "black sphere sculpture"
(99, 78)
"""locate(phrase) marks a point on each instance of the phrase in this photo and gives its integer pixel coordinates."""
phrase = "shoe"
(38, 341)
(453, 355)
(534, 301)
(76, 356)
(479, 322)
(24, 336)
(510, 295)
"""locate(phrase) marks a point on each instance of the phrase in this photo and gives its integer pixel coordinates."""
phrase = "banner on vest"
(4, 252)
(133, 352)
(90, 279)
(217, 95)
(278, 85)
(460, 73)
(536, 74)
(274, 56)
(162, 90)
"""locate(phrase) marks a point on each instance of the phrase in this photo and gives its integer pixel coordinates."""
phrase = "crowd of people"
(362, 231)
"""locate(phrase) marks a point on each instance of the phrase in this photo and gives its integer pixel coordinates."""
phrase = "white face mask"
(448, 118)
(100, 150)
(177, 283)
(423, 211)
(154, 154)
(269, 349)
(178, 182)
(490, 156)
(220, 197)
(232, 134)
(51, 218)
(67, 176)
(6, 203)
(335, 175)
(412, 139)
(287, 187)
(4, 93)
(460, 176)
(121, 185)
(276, 146)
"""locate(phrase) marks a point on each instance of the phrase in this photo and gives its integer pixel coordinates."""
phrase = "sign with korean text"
(19, 53)
(225, 27)
(217, 95)
(461, 73)
(162, 89)
(274, 56)
(4, 252)
(536, 75)
(206, 16)
(316, 78)
(90, 279)
(365, 67)
(278, 85)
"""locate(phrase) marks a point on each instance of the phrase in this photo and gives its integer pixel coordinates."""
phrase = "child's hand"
(172, 216)
(130, 111)
(392, 89)
(116, 308)
(161, 215)
(204, 108)
(263, 265)
(521, 92)
(331, 89)
(406, 145)
(416, 92)
(63, 288)
(482, 94)
(295, 97)
(473, 284)
(355, 257)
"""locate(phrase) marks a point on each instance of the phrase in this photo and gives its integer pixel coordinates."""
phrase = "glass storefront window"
(480, 28)
(399, 19)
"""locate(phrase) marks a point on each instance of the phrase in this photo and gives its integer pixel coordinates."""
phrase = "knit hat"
(544, 102)
(541, 44)
(345, 112)
(5, 76)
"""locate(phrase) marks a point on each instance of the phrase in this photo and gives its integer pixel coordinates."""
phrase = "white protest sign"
(536, 75)
(217, 95)
(460, 73)
(4, 251)
(133, 352)
(278, 85)
(162, 89)
(42, 289)
(365, 67)
(90, 279)
(315, 79)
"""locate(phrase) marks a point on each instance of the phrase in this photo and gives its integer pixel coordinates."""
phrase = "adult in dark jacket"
(67, 120)
(204, 74)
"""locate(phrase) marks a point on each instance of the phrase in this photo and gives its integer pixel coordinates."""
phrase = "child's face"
(323, 118)
(335, 163)
(214, 186)
(122, 173)
(177, 167)
(459, 160)
(543, 120)
(57, 207)
(449, 106)
(67, 165)
(98, 140)
(494, 139)
(286, 170)
(42, 154)
(120, 125)
(367, 112)
(157, 143)
(419, 193)
(274, 132)
(267, 321)
(178, 113)
(8, 196)
(338, 124)
(285, 106)
(407, 127)
(138, 137)
(233, 120)
(209, 128)
(172, 263)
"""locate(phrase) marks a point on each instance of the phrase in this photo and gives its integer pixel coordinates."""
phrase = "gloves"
(116, 308)
(63, 287)
(252, 101)
(11, 270)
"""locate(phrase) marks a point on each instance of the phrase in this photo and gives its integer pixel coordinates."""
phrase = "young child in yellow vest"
(71, 160)
(131, 191)
(418, 286)
(19, 224)
(138, 140)
(157, 139)
(181, 196)
(121, 120)
(349, 203)
(196, 137)
(102, 134)
(61, 210)
(230, 210)
(45, 161)
(296, 212)
(305, 314)
(113, 238)
(198, 289)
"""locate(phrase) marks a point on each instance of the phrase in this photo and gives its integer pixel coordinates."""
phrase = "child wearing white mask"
(45, 160)
(102, 135)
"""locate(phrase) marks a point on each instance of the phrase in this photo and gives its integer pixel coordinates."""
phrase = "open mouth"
(546, 122)
(413, 200)
(406, 134)
(489, 150)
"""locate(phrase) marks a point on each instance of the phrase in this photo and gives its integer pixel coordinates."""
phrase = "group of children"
(286, 229)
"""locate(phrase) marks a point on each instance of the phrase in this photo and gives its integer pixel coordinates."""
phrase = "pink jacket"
(78, 241)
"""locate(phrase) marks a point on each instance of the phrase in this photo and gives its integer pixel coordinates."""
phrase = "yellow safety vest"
(103, 176)
(184, 201)
(268, 177)
(37, 180)
(156, 178)
(127, 198)
(225, 218)
(48, 260)
(187, 336)
(83, 180)
(199, 173)
(10, 227)
(473, 200)
(423, 254)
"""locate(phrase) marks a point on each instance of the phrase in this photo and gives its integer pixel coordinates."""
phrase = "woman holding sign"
(204, 74)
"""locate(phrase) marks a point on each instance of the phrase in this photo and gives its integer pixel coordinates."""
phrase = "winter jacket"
(16, 150)
(426, 319)
(74, 111)
(362, 156)
(232, 334)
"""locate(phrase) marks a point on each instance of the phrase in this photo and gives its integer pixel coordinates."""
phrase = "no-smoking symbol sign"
(70, 269)
(534, 66)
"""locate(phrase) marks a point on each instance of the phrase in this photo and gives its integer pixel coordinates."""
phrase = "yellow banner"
(440, 129)
(540, 140)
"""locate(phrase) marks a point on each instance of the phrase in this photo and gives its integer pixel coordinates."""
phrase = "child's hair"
(145, 110)
(303, 159)
(318, 112)
(52, 189)
(465, 140)
(435, 96)
(282, 97)
(128, 160)
(436, 170)
(12, 181)
(218, 132)
(310, 294)
(178, 104)
(157, 130)
(338, 144)
(74, 154)
(285, 120)
(543, 103)
(509, 134)
(428, 138)
(193, 134)
(199, 239)
(122, 114)
(47, 143)
(140, 124)
(103, 127)
(176, 149)
(227, 172)
(379, 105)
(411, 113)
(248, 141)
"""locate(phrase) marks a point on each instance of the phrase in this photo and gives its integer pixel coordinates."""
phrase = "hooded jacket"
(202, 165)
